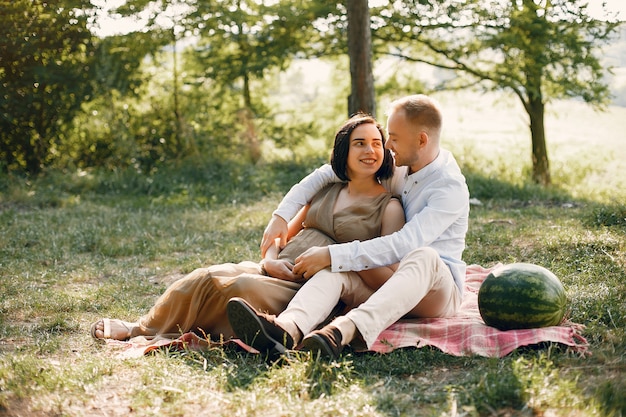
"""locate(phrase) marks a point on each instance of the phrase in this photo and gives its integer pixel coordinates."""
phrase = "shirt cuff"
(341, 257)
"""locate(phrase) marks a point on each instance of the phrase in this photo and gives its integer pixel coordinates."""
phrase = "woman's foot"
(112, 329)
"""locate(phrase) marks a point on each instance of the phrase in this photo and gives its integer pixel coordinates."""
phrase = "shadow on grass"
(299, 371)
(207, 183)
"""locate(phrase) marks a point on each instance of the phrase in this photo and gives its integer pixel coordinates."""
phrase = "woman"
(358, 209)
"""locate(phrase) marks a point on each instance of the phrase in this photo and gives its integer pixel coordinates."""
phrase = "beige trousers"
(198, 301)
(421, 287)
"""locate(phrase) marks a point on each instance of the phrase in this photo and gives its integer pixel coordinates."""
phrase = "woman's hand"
(280, 268)
(311, 261)
(276, 229)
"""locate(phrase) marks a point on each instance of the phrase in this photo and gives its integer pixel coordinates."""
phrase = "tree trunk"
(362, 96)
(249, 135)
(33, 148)
(541, 166)
(178, 148)
(246, 118)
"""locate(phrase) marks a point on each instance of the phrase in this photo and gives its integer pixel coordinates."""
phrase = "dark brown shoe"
(257, 329)
(325, 341)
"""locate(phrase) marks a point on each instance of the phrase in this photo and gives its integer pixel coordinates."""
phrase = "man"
(428, 280)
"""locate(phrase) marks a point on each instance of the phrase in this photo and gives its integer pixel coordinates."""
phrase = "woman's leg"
(198, 301)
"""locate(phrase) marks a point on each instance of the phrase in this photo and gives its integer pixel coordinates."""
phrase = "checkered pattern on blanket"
(467, 334)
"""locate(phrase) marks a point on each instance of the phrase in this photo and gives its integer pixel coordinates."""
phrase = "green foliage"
(149, 106)
(118, 62)
(140, 100)
(531, 48)
(46, 69)
(147, 129)
(238, 41)
(540, 51)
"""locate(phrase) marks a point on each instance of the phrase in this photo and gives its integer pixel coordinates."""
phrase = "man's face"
(403, 140)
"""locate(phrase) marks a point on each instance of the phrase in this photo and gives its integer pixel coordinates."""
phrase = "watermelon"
(521, 296)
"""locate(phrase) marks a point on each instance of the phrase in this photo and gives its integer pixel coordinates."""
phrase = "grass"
(75, 247)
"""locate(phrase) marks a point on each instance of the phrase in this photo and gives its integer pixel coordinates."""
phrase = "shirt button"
(366, 267)
(340, 267)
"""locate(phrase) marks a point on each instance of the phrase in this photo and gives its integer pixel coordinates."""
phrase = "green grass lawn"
(77, 247)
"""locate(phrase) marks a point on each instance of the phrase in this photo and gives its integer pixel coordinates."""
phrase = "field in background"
(586, 148)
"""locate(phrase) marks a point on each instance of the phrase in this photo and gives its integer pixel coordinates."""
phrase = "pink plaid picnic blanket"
(465, 334)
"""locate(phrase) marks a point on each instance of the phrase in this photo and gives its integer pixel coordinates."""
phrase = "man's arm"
(317, 258)
(299, 195)
(442, 216)
(446, 204)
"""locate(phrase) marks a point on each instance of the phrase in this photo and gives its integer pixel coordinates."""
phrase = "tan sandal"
(107, 329)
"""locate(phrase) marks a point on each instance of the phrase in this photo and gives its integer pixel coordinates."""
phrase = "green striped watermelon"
(521, 296)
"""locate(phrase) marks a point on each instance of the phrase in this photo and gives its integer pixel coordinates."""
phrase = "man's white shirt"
(436, 206)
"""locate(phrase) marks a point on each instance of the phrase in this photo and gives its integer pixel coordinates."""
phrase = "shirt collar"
(434, 166)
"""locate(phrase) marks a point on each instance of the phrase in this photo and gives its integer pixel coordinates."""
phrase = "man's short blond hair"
(419, 110)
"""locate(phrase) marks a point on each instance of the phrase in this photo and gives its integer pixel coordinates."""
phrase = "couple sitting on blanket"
(347, 241)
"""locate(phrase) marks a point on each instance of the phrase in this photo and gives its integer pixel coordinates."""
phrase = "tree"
(111, 128)
(540, 50)
(237, 43)
(362, 94)
(45, 75)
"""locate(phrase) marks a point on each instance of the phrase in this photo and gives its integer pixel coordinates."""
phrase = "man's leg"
(317, 298)
(312, 305)
(422, 286)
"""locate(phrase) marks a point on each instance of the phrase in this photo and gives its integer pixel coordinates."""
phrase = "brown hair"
(339, 157)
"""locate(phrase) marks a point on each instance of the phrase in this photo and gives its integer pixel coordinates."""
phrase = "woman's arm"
(393, 220)
(297, 197)
(281, 268)
(277, 268)
(295, 225)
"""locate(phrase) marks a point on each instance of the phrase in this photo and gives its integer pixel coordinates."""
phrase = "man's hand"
(276, 229)
(311, 261)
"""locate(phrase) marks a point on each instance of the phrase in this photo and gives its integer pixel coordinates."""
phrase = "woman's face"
(366, 152)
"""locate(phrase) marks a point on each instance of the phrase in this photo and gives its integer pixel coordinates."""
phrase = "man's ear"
(423, 139)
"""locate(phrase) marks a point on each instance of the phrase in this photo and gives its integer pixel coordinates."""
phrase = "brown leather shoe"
(257, 329)
(326, 341)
